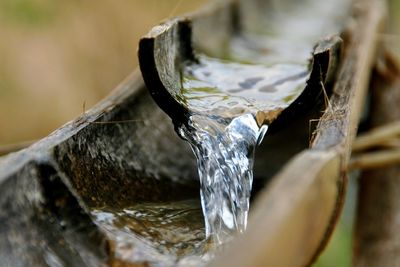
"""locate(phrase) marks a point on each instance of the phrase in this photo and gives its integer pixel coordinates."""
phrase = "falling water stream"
(227, 100)
(224, 149)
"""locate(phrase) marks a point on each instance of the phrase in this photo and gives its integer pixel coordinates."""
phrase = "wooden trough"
(124, 151)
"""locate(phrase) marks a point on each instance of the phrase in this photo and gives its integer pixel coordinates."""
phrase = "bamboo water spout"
(223, 98)
(229, 70)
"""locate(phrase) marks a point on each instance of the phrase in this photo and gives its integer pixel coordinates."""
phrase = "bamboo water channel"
(105, 191)
(227, 103)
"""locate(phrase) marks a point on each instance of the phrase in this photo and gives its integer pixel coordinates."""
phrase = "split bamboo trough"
(125, 151)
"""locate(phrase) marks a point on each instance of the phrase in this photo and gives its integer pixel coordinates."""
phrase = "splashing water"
(224, 149)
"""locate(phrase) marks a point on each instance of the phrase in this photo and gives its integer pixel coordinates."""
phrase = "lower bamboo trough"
(124, 151)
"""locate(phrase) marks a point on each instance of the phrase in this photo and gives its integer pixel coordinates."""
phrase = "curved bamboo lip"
(168, 47)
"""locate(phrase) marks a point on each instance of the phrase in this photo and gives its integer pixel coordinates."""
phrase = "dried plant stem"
(377, 137)
(374, 160)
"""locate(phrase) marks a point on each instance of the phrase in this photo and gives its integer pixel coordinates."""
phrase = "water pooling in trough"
(156, 234)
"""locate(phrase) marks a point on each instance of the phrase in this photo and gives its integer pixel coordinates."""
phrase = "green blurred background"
(57, 55)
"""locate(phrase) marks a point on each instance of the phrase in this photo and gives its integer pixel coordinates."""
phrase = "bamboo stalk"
(391, 143)
(376, 137)
(376, 242)
(375, 160)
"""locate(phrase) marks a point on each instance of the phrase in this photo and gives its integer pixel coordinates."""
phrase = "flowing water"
(227, 100)
(230, 104)
(224, 149)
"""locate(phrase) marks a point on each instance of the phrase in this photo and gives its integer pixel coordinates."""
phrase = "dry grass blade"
(329, 113)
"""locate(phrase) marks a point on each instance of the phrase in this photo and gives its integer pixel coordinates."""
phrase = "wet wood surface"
(48, 188)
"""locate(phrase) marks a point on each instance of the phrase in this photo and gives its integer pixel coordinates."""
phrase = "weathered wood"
(376, 241)
(46, 190)
(290, 217)
(292, 234)
(42, 223)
